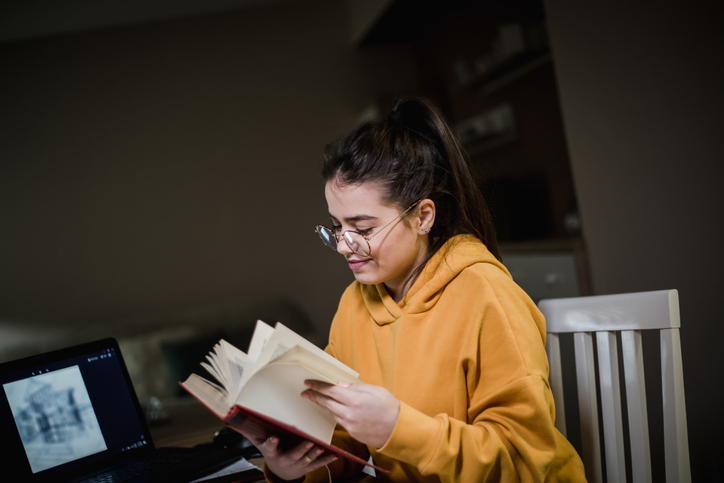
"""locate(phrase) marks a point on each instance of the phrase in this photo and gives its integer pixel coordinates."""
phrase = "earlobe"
(427, 216)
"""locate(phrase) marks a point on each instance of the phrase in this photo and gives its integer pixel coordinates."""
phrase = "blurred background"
(160, 160)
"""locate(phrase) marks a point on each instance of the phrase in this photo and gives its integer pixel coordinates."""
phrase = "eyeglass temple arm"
(382, 229)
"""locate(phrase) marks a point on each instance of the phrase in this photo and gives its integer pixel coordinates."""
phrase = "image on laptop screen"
(55, 418)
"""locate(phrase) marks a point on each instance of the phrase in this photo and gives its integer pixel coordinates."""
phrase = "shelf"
(507, 72)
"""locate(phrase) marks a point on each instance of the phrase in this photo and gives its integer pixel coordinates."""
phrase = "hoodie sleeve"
(511, 440)
(509, 434)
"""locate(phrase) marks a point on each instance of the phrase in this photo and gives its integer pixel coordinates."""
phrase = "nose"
(343, 247)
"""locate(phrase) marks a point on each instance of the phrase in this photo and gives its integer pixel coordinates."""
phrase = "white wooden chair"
(599, 318)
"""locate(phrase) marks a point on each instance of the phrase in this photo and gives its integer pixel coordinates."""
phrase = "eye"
(336, 229)
(365, 232)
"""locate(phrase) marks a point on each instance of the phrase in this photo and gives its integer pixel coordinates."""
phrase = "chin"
(366, 279)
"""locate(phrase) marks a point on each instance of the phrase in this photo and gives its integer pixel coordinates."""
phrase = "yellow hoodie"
(464, 352)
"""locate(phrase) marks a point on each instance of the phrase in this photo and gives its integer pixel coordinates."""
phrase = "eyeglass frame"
(366, 238)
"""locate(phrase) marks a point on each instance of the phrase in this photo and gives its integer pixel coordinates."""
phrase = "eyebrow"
(356, 218)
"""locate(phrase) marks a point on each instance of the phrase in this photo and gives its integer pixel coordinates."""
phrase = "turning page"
(282, 339)
(262, 333)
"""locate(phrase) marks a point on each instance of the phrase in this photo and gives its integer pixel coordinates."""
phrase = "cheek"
(397, 252)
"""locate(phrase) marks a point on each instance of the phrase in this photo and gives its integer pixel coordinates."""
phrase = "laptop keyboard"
(124, 473)
(164, 459)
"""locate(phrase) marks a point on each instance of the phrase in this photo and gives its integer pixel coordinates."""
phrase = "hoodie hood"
(457, 254)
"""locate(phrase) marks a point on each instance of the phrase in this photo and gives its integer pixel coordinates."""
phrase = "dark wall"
(174, 164)
(641, 93)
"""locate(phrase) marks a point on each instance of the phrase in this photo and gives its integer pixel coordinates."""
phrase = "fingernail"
(344, 384)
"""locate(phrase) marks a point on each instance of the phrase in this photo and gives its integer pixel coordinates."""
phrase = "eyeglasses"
(355, 240)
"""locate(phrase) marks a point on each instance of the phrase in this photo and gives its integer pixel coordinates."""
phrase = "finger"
(269, 445)
(338, 409)
(315, 396)
(320, 399)
(256, 440)
(252, 436)
(302, 450)
(311, 455)
(293, 455)
(323, 460)
(317, 384)
(326, 459)
(324, 387)
(345, 394)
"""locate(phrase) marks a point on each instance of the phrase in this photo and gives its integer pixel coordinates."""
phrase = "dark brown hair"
(413, 155)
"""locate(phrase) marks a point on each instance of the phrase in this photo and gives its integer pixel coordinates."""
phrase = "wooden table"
(187, 424)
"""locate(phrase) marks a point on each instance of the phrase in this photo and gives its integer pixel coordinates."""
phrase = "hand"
(368, 413)
(296, 462)
(287, 464)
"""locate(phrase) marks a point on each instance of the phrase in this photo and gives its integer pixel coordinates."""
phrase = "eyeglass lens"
(327, 236)
(354, 240)
(357, 243)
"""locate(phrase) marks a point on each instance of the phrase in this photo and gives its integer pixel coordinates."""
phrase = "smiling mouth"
(354, 264)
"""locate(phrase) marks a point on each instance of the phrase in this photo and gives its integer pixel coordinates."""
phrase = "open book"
(259, 392)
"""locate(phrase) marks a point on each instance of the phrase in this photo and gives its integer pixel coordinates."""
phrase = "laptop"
(72, 415)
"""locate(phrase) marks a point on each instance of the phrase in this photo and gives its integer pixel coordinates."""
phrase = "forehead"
(346, 201)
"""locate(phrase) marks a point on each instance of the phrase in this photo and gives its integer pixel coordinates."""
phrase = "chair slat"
(588, 407)
(676, 439)
(644, 310)
(611, 406)
(638, 424)
(555, 379)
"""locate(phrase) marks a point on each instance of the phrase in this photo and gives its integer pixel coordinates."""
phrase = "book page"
(222, 363)
(211, 370)
(275, 391)
(235, 361)
(208, 394)
(330, 371)
(286, 334)
(218, 361)
(262, 333)
(284, 339)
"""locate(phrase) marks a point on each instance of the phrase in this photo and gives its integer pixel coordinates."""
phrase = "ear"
(426, 216)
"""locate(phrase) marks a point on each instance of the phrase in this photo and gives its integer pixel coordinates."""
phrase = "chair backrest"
(600, 317)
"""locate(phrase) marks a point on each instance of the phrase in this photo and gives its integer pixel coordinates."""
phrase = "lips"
(357, 264)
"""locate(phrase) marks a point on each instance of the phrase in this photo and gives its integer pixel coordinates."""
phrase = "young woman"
(450, 349)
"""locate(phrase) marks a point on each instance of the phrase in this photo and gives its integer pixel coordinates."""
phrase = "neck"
(423, 255)
(398, 295)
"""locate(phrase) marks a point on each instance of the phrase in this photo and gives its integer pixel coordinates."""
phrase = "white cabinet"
(544, 274)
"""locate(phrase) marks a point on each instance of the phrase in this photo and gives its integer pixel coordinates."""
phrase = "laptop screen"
(69, 411)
